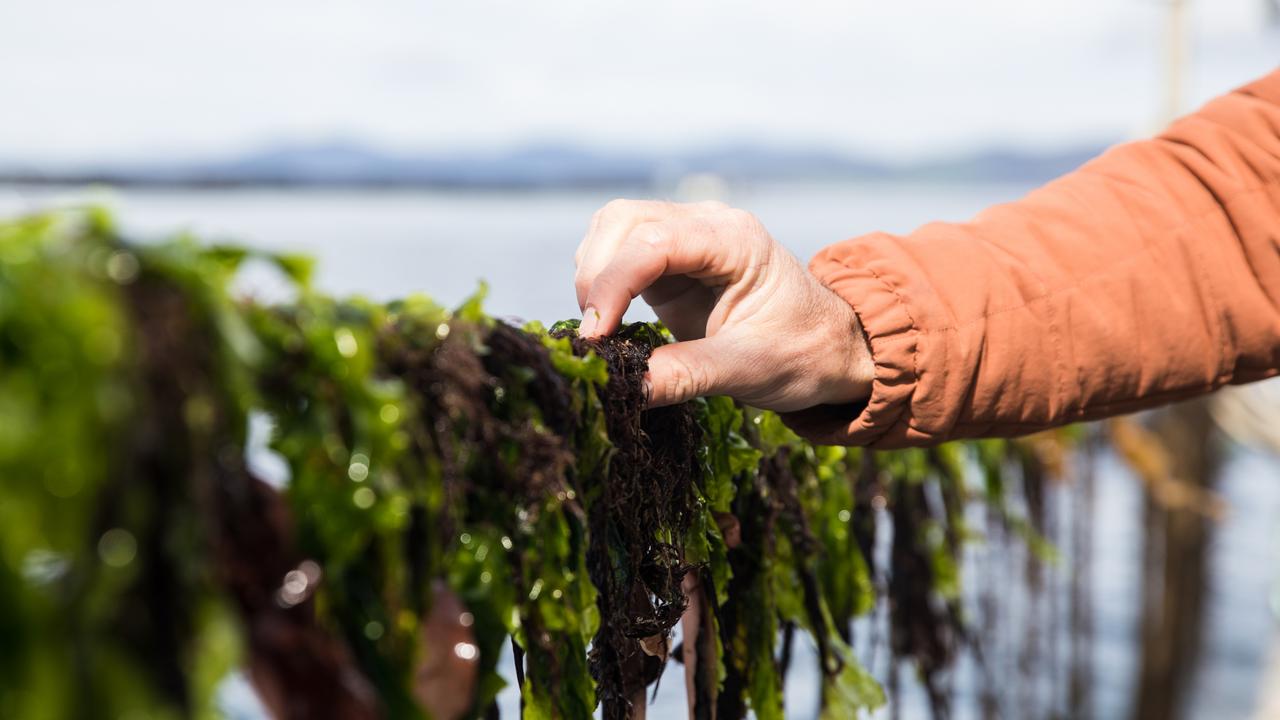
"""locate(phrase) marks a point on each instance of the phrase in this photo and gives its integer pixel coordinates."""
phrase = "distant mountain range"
(351, 164)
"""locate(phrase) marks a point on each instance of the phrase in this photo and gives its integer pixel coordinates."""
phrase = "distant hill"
(345, 163)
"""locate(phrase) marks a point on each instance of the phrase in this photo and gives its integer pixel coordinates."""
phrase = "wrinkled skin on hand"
(752, 322)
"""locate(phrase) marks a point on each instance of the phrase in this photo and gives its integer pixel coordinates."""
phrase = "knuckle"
(651, 234)
(749, 230)
(686, 380)
(712, 205)
(744, 221)
(608, 285)
(614, 207)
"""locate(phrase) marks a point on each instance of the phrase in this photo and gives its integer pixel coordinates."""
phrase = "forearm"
(1149, 275)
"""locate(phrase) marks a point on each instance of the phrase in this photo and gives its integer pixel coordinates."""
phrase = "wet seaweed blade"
(454, 484)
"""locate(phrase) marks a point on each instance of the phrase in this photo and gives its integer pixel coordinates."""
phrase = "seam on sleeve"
(1220, 206)
(1055, 330)
(1273, 296)
(1225, 366)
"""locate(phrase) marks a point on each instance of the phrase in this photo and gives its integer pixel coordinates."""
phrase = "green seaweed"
(428, 452)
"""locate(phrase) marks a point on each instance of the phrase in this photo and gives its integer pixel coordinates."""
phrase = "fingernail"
(590, 321)
(647, 387)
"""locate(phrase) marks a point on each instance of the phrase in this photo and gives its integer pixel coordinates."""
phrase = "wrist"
(851, 369)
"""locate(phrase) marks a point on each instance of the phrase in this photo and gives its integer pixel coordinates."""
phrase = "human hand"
(751, 322)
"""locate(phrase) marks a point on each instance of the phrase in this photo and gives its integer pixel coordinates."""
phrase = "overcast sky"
(91, 80)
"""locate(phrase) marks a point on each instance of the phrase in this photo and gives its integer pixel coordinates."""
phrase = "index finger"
(610, 227)
(712, 248)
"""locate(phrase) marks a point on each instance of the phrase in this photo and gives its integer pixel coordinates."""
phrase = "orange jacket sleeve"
(1151, 274)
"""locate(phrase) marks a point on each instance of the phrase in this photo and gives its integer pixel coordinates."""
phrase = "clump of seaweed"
(454, 485)
(638, 516)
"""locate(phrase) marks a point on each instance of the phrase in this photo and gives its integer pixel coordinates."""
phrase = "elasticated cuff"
(892, 335)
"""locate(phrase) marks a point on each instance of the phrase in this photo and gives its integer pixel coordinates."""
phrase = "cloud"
(86, 81)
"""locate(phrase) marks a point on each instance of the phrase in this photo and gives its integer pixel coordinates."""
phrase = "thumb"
(682, 371)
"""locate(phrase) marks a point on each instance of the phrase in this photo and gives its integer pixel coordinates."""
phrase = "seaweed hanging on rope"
(453, 484)
(638, 514)
(187, 442)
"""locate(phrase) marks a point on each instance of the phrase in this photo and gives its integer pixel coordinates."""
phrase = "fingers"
(717, 249)
(677, 255)
(682, 371)
(683, 304)
(609, 228)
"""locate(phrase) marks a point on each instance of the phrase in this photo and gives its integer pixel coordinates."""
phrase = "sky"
(84, 81)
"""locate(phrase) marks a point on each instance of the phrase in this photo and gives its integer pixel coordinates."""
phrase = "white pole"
(1175, 59)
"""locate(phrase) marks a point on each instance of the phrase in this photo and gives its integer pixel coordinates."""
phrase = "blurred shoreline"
(351, 165)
